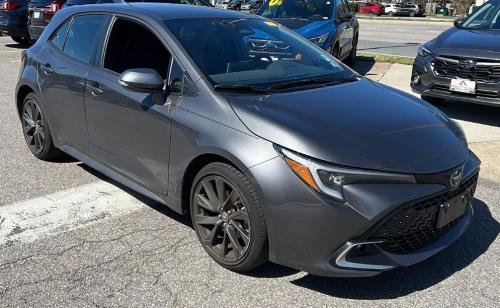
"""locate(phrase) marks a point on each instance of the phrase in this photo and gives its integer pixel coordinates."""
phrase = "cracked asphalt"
(86, 252)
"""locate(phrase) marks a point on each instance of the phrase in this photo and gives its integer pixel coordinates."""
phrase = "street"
(71, 237)
(396, 37)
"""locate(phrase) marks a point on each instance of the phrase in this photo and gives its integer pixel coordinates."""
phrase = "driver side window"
(132, 45)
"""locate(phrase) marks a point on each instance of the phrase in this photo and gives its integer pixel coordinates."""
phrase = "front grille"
(415, 226)
(485, 71)
(479, 92)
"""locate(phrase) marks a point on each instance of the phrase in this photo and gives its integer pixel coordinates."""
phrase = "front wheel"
(228, 218)
(351, 59)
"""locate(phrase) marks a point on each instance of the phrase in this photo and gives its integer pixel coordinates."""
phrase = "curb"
(378, 57)
(416, 19)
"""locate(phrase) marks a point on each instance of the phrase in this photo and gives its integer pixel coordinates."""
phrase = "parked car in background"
(251, 5)
(329, 24)
(14, 19)
(40, 13)
(463, 62)
(413, 10)
(371, 8)
(277, 151)
(234, 5)
(392, 9)
(223, 4)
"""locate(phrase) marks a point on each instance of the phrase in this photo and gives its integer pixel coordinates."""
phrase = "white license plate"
(37, 15)
(463, 86)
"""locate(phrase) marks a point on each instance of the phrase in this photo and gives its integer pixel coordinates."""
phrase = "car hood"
(467, 43)
(306, 28)
(360, 124)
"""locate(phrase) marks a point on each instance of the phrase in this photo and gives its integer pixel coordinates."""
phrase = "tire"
(23, 40)
(351, 59)
(335, 51)
(36, 130)
(391, 14)
(219, 230)
(412, 14)
(433, 100)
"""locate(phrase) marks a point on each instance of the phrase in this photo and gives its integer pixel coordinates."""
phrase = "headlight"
(330, 179)
(423, 51)
(319, 39)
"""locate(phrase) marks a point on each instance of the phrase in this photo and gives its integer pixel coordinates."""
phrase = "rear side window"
(81, 36)
(59, 36)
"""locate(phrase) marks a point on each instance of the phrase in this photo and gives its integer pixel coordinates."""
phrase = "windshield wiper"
(240, 88)
(326, 81)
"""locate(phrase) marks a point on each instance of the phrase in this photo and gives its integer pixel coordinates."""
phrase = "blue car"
(330, 24)
(14, 18)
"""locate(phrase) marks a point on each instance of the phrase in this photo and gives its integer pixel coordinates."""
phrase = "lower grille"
(415, 226)
(479, 92)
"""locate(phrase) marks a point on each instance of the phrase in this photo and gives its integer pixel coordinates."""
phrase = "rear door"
(344, 27)
(63, 65)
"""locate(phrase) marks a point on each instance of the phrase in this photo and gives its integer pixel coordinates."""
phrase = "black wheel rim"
(33, 128)
(221, 219)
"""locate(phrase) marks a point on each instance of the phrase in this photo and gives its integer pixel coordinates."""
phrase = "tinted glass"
(252, 52)
(81, 36)
(304, 9)
(486, 18)
(59, 36)
(131, 45)
(175, 78)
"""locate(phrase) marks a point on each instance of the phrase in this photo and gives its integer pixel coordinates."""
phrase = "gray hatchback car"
(275, 149)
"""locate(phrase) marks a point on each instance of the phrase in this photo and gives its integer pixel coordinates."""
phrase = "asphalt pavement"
(71, 237)
(397, 37)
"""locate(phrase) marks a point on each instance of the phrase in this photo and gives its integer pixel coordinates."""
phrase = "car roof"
(161, 11)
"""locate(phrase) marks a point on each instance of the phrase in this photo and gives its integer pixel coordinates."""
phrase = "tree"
(462, 6)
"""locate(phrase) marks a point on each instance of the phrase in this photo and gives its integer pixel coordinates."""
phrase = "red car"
(372, 8)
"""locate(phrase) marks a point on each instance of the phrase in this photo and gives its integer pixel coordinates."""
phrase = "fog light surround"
(416, 79)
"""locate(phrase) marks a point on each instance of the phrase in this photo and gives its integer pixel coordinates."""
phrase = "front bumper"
(431, 85)
(313, 233)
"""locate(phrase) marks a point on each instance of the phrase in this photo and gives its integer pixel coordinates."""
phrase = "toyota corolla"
(275, 149)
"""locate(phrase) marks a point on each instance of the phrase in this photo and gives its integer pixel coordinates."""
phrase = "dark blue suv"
(13, 19)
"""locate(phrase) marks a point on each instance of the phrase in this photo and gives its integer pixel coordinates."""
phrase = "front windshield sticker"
(275, 2)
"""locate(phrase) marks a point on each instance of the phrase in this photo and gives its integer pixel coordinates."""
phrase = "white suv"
(393, 9)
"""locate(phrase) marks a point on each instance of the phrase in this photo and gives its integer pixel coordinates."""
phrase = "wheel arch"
(21, 94)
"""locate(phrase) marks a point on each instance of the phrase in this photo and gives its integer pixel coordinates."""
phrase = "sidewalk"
(448, 20)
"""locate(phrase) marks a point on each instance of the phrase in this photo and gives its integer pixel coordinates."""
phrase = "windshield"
(253, 52)
(486, 18)
(303, 9)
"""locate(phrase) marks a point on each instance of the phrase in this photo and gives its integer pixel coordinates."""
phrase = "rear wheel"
(391, 14)
(228, 218)
(412, 14)
(36, 130)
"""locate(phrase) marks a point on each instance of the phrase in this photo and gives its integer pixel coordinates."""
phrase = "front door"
(130, 131)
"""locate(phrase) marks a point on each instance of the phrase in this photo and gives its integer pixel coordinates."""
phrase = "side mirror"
(143, 80)
(457, 22)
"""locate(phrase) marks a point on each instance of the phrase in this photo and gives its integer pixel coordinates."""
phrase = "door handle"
(46, 68)
(94, 88)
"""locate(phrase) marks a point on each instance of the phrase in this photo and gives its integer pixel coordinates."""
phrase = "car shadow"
(364, 66)
(402, 281)
(157, 206)
(482, 114)
(17, 45)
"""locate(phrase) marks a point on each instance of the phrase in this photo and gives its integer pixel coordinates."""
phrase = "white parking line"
(27, 221)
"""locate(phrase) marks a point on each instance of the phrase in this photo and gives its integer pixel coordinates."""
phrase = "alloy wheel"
(221, 218)
(33, 127)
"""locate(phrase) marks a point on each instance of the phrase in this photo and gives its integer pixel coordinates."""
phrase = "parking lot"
(71, 237)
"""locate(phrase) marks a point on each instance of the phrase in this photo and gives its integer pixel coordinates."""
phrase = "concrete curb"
(416, 19)
(377, 57)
